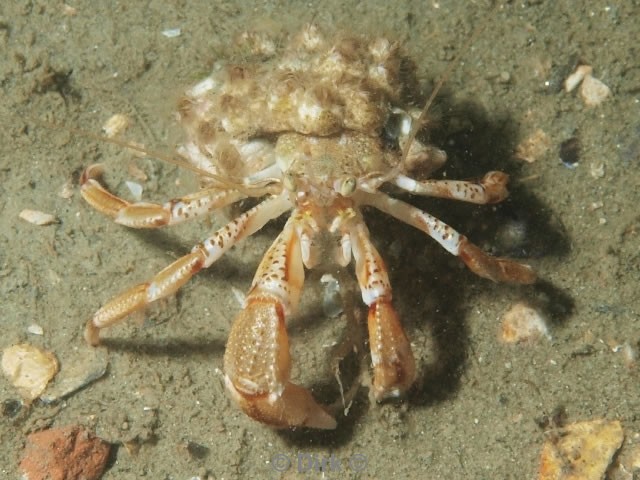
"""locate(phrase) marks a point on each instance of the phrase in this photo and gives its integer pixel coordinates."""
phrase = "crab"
(316, 128)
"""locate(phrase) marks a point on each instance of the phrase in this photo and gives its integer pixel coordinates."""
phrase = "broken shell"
(117, 124)
(523, 323)
(576, 77)
(581, 450)
(79, 369)
(593, 91)
(35, 329)
(172, 32)
(29, 369)
(37, 218)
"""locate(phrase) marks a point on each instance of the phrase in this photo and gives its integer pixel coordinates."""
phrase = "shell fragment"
(37, 218)
(29, 369)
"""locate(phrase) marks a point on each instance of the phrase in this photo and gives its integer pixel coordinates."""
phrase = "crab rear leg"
(394, 368)
(170, 279)
(257, 363)
(497, 269)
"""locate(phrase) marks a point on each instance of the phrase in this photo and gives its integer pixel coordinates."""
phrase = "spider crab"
(315, 129)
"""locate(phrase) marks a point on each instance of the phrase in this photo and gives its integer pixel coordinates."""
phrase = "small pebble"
(523, 323)
(630, 355)
(593, 91)
(597, 170)
(117, 124)
(66, 191)
(533, 147)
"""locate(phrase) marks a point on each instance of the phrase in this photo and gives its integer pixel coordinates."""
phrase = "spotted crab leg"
(497, 269)
(257, 362)
(169, 280)
(393, 364)
(152, 215)
(490, 189)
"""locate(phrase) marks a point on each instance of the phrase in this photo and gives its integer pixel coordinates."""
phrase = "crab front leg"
(394, 368)
(170, 279)
(257, 362)
(152, 215)
(497, 269)
(492, 188)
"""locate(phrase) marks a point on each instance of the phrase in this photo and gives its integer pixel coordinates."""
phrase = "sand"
(479, 405)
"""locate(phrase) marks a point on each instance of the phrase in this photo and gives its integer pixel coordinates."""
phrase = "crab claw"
(293, 407)
(394, 369)
(257, 366)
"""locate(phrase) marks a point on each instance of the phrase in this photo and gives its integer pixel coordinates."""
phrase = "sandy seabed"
(479, 405)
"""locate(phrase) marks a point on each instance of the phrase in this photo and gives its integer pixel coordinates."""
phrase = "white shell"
(172, 32)
(37, 217)
(35, 329)
(29, 369)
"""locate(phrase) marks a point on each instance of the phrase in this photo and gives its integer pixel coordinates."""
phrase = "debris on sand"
(580, 451)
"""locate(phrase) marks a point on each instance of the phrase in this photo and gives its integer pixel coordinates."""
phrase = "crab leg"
(152, 215)
(497, 269)
(257, 363)
(394, 368)
(490, 189)
(169, 280)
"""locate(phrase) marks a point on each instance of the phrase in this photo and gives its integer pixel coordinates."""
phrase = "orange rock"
(64, 454)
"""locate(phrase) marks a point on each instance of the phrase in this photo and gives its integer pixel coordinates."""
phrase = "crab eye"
(392, 131)
(289, 181)
(348, 186)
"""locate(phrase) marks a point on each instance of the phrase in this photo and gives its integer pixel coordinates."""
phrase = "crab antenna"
(250, 190)
(417, 124)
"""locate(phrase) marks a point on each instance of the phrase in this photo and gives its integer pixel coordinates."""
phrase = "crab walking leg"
(152, 215)
(170, 279)
(257, 363)
(497, 269)
(394, 368)
(492, 188)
